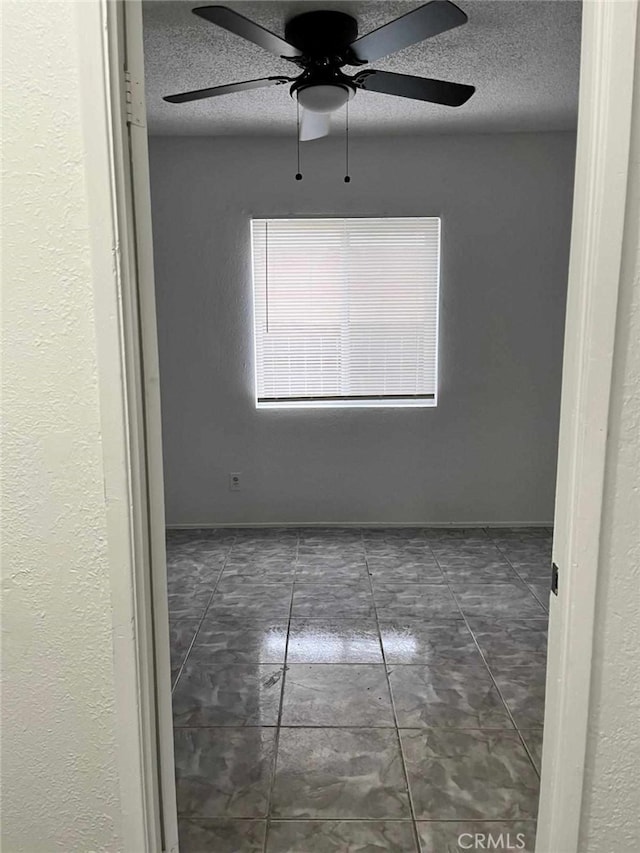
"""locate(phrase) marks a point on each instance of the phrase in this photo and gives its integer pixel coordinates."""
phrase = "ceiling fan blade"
(418, 88)
(314, 125)
(422, 23)
(241, 26)
(227, 89)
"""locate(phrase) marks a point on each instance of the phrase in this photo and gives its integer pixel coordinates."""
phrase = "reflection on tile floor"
(357, 690)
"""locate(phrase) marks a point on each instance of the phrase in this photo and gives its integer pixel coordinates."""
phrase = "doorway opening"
(369, 596)
(221, 557)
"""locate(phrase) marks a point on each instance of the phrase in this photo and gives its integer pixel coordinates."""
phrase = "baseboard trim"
(425, 524)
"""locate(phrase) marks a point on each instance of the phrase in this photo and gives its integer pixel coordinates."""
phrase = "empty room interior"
(360, 280)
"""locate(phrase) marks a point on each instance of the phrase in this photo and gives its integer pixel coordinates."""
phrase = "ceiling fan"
(321, 43)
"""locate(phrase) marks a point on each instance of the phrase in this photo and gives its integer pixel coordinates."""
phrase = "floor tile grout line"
(518, 577)
(445, 664)
(498, 550)
(504, 702)
(403, 761)
(354, 820)
(541, 603)
(242, 727)
(202, 618)
(522, 738)
(491, 675)
(276, 744)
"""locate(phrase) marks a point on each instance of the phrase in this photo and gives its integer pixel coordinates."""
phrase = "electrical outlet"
(235, 482)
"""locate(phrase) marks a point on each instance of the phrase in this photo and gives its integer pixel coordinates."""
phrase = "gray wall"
(487, 453)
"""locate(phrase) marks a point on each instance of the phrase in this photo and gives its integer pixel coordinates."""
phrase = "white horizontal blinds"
(346, 308)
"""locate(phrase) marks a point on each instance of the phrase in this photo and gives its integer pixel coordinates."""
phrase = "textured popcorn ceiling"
(522, 56)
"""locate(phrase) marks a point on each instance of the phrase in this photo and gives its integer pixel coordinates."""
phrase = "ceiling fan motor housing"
(323, 35)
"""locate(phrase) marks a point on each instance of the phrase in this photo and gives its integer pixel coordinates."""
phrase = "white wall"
(487, 453)
(70, 728)
(611, 804)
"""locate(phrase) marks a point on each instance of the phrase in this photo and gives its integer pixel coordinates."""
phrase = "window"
(346, 311)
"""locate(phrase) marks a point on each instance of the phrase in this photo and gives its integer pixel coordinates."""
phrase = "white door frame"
(156, 829)
(602, 164)
(607, 70)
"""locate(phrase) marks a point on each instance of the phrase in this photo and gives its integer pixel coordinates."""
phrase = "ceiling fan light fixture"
(321, 43)
(323, 98)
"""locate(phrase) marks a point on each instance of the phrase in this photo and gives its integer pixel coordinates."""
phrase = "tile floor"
(343, 690)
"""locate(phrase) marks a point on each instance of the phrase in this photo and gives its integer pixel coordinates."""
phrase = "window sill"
(347, 404)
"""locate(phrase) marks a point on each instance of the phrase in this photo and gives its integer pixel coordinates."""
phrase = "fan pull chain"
(298, 173)
(347, 177)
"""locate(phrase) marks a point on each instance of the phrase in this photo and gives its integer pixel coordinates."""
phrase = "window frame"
(371, 402)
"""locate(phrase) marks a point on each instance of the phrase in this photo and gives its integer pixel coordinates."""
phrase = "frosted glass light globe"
(323, 98)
